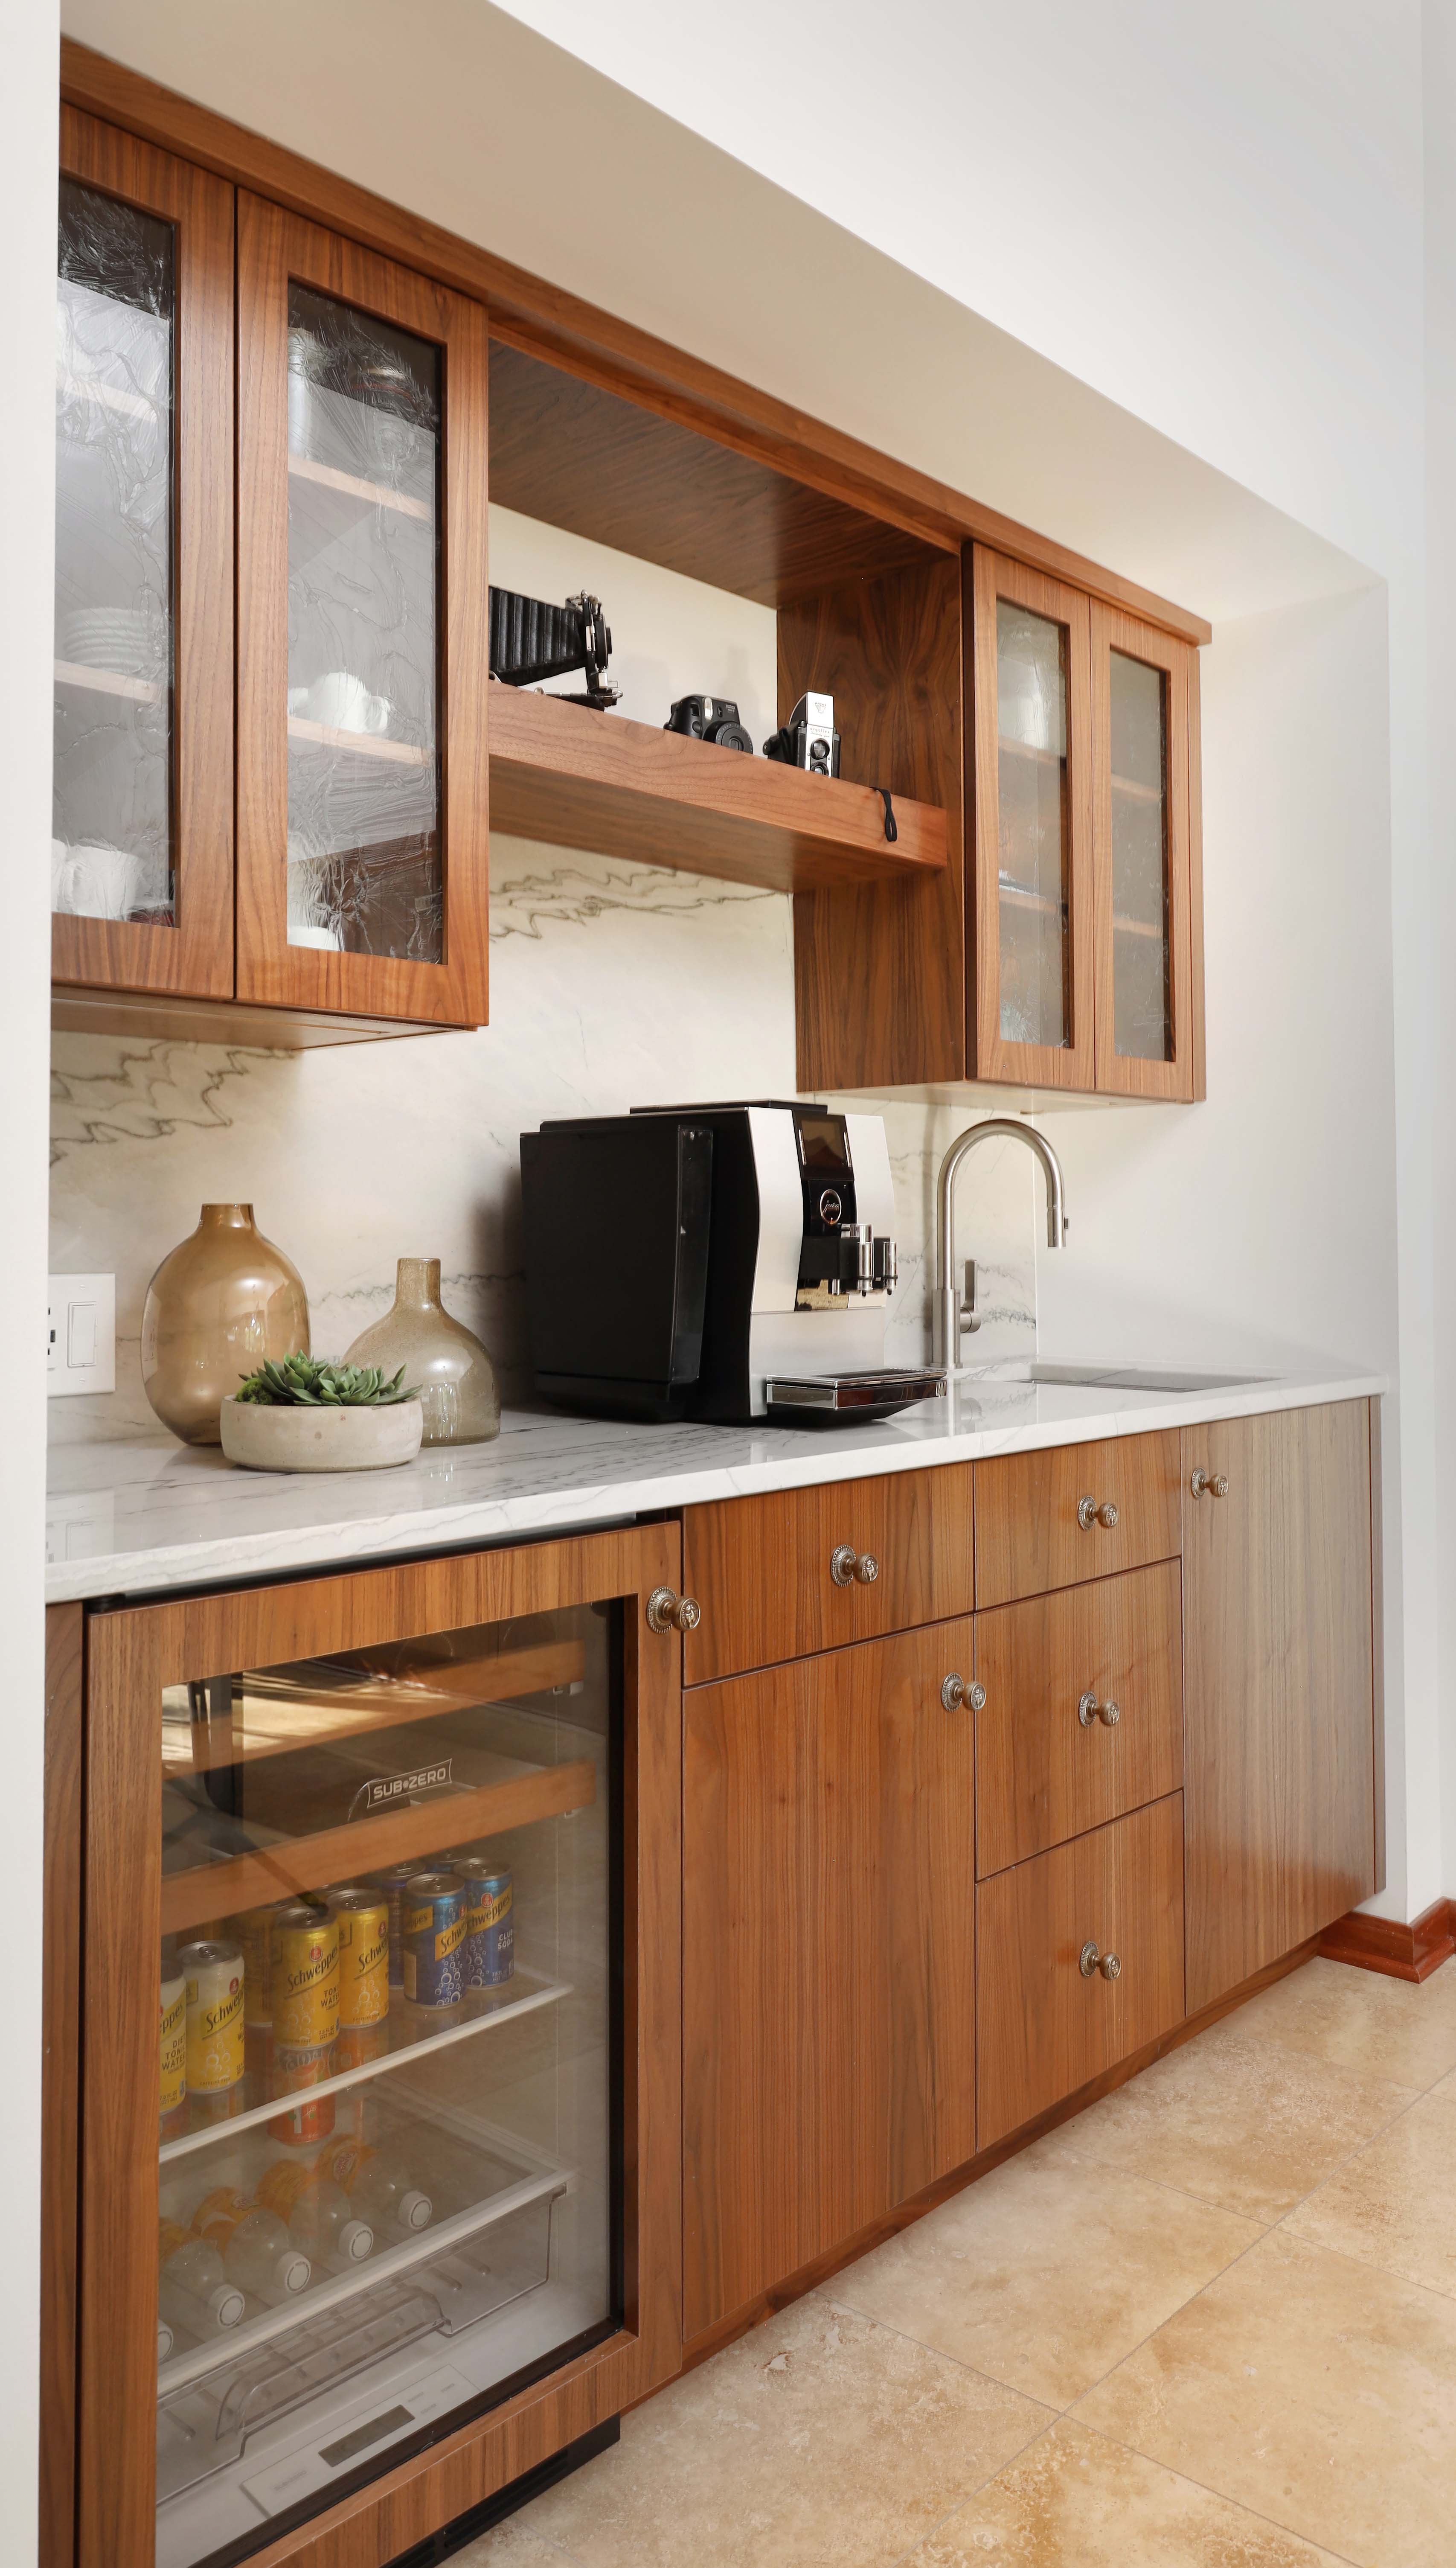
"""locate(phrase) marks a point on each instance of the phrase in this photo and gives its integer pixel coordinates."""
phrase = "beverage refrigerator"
(376, 2077)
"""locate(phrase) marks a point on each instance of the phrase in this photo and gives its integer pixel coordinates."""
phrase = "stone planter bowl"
(321, 1439)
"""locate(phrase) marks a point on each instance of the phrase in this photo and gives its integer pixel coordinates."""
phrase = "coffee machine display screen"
(823, 1142)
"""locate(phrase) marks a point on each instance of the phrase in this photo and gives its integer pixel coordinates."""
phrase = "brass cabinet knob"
(1211, 1484)
(1090, 1709)
(848, 1567)
(1089, 1960)
(958, 1692)
(669, 1612)
(1090, 1512)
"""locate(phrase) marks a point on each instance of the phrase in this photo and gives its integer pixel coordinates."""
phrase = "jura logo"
(385, 1789)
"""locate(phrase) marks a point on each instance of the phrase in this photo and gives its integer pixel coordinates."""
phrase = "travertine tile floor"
(1210, 2324)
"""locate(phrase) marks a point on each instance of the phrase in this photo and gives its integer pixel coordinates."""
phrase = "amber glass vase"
(223, 1301)
(453, 1374)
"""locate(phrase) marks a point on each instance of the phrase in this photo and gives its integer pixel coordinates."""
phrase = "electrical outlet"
(81, 1334)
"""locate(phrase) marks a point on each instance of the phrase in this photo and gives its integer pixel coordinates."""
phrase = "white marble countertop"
(140, 1516)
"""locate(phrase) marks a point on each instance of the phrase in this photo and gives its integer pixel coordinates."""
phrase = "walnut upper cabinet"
(363, 630)
(1077, 742)
(142, 816)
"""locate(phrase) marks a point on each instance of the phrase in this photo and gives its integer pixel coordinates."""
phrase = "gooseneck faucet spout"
(951, 1314)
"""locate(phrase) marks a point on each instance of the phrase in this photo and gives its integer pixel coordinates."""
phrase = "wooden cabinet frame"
(274, 247)
(1116, 1074)
(1069, 1065)
(130, 1655)
(193, 957)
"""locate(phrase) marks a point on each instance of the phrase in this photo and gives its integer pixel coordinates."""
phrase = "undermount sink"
(1138, 1377)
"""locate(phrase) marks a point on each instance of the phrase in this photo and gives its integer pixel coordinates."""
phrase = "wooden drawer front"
(1029, 1533)
(828, 1950)
(1041, 2029)
(759, 1567)
(1043, 1772)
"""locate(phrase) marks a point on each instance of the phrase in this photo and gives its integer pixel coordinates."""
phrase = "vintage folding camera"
(530, 640)
(714, 718)
(808, 737)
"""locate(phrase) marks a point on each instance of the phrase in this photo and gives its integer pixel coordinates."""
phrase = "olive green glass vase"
(455, 1377)
(223, 1300)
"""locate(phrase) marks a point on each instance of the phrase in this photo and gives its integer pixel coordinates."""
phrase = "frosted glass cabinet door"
(390, 1869)
(1140, 719)
(141, 817)
(362, 605)
(1034, 985)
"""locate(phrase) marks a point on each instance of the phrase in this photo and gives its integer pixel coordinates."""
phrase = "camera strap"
(892, 831)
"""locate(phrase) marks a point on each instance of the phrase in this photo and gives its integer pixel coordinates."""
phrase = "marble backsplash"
(611, 986)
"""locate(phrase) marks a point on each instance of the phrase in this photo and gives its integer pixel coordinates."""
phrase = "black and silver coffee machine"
(725, 1262)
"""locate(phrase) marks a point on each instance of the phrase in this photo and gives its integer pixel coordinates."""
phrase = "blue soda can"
(490, 1925)
(432, 1932)
(393, 1882)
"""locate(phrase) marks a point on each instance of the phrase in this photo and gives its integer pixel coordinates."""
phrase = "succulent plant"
(312, 1382)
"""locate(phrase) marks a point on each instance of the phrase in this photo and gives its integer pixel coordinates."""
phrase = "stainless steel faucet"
(952, 1314)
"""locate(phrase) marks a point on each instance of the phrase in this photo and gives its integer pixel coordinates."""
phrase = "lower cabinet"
(1279, 1685)
(1082, 1963)
(828, 1934)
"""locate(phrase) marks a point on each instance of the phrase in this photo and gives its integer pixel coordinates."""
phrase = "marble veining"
(142, 1514)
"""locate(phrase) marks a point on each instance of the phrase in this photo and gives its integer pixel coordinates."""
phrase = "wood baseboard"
(1383, 1943)
(808, 2277)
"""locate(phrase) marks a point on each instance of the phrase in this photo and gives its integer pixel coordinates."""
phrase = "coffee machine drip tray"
(847, 1399)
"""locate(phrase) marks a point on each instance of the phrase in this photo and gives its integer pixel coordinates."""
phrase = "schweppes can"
(490, 1924)
(363, 1920)
(173, 2046)
(214, 2003)
(432, 1930)
(304, 1953)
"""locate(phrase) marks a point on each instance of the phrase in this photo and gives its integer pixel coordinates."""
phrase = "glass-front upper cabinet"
(392, 2103)
(1141, 833)
(1033, 971)
(141, 825)
(363, 627)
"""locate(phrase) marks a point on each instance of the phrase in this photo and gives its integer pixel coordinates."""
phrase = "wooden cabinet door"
(1141, 701)
(760, 1568)
(828, 2008)
(1278, 1686)
(1045, 2023)
(1029, 719)
(362, 631)
(274, 1742)
(142, 886)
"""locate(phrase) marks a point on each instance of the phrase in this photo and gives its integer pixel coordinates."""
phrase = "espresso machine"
(723, 1262)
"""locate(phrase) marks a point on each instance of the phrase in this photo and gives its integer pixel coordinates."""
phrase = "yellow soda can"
(304, 1986)
(363, 1919)
(213, 1975)
(174, 2045)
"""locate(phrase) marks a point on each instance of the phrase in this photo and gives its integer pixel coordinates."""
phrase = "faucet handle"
(970, 1315)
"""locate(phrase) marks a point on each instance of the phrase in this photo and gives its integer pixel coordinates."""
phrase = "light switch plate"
(81, 1334)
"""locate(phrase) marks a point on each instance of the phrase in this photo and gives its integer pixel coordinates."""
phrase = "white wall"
(1440, 175)
(26, 430)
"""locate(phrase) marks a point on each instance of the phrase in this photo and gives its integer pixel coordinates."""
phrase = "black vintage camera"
(808, 737)
(530, 640)
(713, 718)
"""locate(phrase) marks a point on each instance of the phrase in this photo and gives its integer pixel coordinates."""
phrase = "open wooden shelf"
(580, 778)
(210, 1890)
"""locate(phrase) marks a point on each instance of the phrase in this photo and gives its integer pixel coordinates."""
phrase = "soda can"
(360, 2043)
(391, 1885)
(214, 2003)
(490, 1924)
(173, 2048)
(433, 1929)
(304, 2124)
(304, 1959)
(363, 1920)
(256, 1933)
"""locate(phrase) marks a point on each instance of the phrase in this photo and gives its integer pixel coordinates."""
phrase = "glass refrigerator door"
(389, 2120)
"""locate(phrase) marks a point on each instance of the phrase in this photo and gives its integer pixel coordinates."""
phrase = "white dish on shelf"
(321, 1439)
(131, 640)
